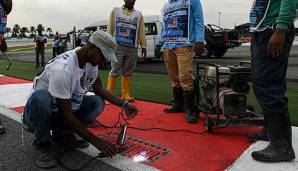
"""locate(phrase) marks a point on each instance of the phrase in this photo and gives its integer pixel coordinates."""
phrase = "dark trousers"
(39, 51)
(269, 74)
(55, 51)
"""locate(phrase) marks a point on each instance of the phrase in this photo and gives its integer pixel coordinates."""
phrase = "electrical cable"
(121, 115)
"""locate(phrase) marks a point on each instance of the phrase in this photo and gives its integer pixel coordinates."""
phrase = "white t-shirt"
(63, 78)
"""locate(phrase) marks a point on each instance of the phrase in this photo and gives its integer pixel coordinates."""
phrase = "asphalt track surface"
(232, 57)
(18, 154)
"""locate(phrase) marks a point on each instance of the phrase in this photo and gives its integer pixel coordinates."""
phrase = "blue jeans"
(269, 74)
(40, 118)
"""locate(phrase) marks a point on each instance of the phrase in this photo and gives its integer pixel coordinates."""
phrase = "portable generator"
(223, 91)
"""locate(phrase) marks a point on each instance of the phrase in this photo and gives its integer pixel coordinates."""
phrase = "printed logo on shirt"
(77, 98)
(176, 22)
(258, 13)
(126, 31)
(173, 23)
(87, 83)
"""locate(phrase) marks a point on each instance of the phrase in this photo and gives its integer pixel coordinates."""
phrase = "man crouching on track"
(58, 102)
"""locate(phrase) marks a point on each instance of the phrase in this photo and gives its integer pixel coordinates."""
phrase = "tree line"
(24, 32)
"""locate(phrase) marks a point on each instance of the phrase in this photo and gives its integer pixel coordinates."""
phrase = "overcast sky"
(62, 15)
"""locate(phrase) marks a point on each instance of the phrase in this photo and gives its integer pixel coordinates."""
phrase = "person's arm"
(287, 14)
(160, 43)
(199, 28)
(162, 25)
(2, 25)
(60, 87)
(45, 40)
(64, 106)
(142, 37)
(130, 109)
(35, 39)
(286, 17)
(111, 24)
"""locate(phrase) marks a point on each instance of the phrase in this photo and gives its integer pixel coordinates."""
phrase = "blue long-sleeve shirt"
(3, 21)
(196, 27)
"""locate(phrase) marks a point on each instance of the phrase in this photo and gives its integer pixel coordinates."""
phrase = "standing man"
(55, 45)
(5, 9)
(272, 24)
(182, 33)
(40, 42)
(127, 25)
(58, 99)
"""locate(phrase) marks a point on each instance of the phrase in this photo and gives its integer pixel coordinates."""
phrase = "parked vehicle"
(152, 31)
(218, 41)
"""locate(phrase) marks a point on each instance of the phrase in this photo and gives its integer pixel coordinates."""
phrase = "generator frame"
(251, 118)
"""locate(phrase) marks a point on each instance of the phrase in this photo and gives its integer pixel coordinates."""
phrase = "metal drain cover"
(137, 149)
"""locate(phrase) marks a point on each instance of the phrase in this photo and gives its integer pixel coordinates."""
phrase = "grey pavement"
(18, 154)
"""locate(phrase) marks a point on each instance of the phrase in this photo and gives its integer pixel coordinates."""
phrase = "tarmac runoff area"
(16, 152)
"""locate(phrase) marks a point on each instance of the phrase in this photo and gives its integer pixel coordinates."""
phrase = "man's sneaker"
(70, 141)
(44, 156)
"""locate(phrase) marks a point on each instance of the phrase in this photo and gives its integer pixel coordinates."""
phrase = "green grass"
(23, 70)
(151, 87)
(25, 48)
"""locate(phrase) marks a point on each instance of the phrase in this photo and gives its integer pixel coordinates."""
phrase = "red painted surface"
(18, 109)
(12, 80)
(214, 151)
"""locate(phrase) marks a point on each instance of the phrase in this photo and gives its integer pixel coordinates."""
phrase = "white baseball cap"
(106, 43)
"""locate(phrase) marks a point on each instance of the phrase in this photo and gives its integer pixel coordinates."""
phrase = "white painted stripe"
(119, 162)
(14, 95)
(246, 163)
(10, 114)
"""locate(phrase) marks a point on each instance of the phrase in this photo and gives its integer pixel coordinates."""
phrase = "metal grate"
(137, 149)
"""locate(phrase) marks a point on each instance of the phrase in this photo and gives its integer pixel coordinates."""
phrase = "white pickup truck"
(152, 30)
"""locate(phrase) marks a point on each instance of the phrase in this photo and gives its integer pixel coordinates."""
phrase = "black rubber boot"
(262, 135)
(280, 146)
(191, 115)
(177, 102)
(287, 127)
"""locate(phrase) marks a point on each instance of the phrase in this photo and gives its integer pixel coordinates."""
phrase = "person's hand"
(144, 52)
(276, 43)
(105, 147)
(130, 110)
(157, 51)
(198, 47)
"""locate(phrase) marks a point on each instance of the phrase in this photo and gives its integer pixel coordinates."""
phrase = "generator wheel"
(208, 125)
